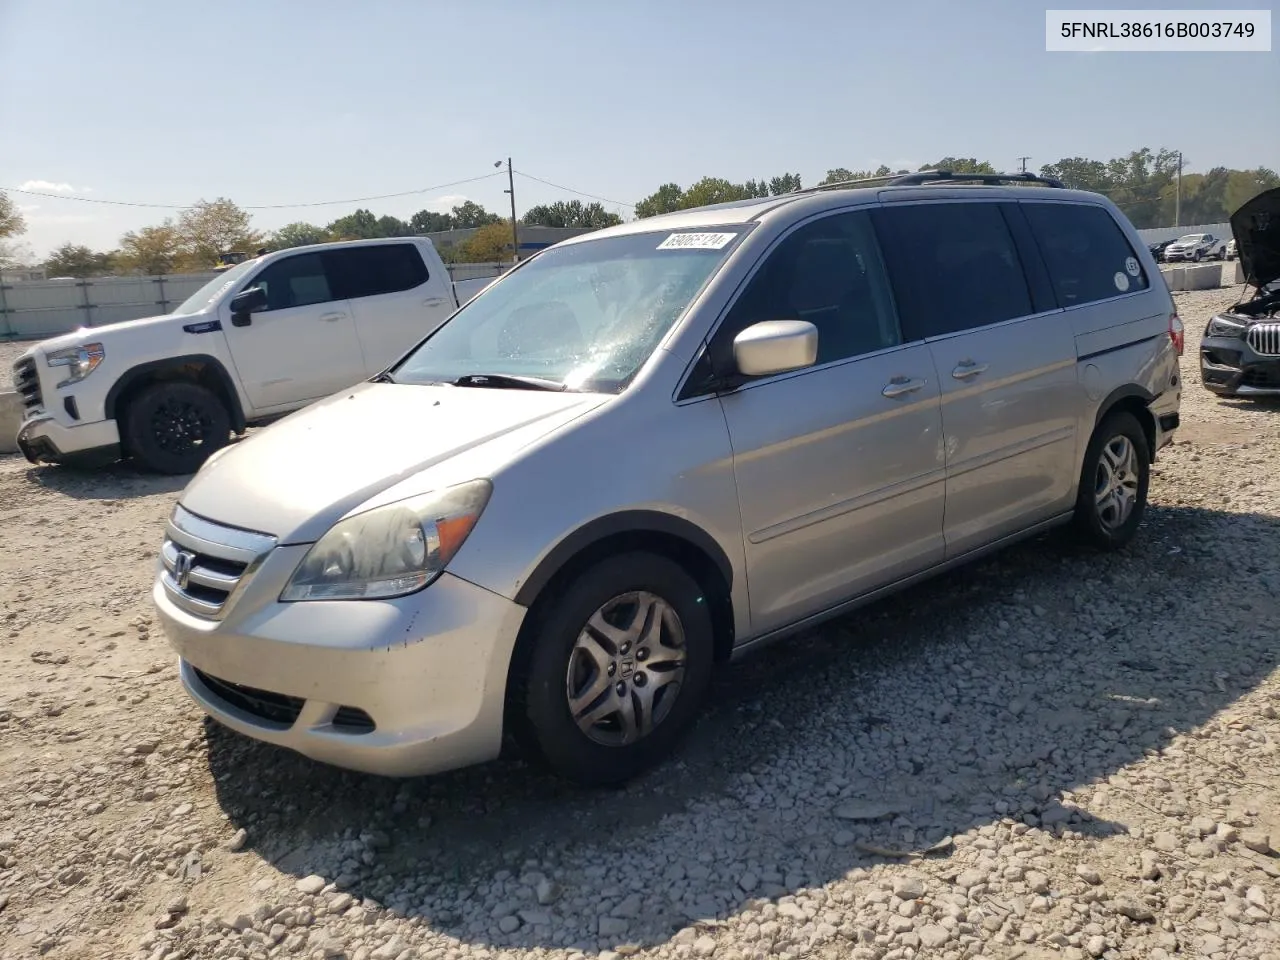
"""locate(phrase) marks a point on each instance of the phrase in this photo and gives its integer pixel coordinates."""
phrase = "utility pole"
(1177, 197)
(511, 190)
(1024, 163)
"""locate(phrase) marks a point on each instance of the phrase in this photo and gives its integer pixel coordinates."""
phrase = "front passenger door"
(839, 466)
(303, 346)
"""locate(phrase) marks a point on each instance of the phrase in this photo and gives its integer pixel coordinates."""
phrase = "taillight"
(1176, 333)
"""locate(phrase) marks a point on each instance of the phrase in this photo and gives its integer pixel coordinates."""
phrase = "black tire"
(1196, 256)
(549, 726)
(1091, 521)
(175, 426)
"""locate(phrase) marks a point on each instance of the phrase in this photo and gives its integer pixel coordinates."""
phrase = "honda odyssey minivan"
(656, 447)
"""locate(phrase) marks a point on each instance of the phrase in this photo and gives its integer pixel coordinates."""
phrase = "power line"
(592, 196)
(261, 206)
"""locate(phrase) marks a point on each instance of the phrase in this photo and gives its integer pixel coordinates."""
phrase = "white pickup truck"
(264, 338)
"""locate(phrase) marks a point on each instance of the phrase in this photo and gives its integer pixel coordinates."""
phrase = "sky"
(307, 101)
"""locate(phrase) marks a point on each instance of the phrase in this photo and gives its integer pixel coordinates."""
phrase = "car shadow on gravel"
(990, 693)
(115, 481)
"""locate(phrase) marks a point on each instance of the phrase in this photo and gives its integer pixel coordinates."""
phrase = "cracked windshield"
(585, 315)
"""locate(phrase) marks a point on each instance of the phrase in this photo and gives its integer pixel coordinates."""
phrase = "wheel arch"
(1134, 399)
(675, 538)
(198, 368)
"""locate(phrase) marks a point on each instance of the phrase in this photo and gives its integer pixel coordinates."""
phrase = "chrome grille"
(205, 565)
(27, 382)
(1265, 339)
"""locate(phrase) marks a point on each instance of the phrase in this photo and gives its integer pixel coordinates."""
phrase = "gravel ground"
(1050, 754)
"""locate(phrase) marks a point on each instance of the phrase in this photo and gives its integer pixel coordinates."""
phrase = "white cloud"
(447, 202)
(27, 207)
(48, 186)
(63, 218)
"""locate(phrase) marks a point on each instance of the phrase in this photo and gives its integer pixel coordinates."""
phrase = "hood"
(295, 478)
(1256, 227)
(94, 334)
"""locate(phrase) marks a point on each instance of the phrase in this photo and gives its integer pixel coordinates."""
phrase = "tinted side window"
(829, 273)
(295, 282)
(375, 270)
(1088, 256)
(954, 266)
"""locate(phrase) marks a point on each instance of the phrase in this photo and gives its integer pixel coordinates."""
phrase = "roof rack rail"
(934, 176)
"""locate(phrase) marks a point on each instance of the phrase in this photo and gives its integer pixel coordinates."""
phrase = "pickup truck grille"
(27, 382)
(204, 565)
(1265, 339)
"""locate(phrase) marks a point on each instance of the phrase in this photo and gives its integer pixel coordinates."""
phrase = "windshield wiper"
(507, 382)
(383, 377)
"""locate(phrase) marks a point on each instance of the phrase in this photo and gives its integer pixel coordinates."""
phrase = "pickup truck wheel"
(622, 661)
(1113, 483)
(175, 426)
(1196, 256)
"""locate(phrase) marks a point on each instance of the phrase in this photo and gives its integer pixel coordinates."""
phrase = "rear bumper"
(1231, 368)
(44, 440)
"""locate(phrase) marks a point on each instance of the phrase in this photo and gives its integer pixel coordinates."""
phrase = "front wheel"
(622, 662)
(1196, 256)
(1113, 483)
(175, 426)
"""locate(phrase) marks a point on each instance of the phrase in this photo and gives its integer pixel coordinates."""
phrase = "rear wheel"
(1113, 483)
(175, 426)
(621, 664)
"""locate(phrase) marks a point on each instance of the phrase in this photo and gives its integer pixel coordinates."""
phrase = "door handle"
(433, 301)
(967, 369)
(900, 387)
(337, 315)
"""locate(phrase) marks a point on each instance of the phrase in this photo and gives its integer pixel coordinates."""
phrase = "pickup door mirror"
(246, 302)
(775, 346)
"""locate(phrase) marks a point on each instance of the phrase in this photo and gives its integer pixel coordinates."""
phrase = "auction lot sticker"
(696, 241)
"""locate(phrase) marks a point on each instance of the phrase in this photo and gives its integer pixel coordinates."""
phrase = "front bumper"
(43, 439)
(400, 687)
(1231, 368)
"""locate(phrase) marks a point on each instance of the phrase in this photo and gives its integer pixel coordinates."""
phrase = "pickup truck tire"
(1113, 483)
(174, 426)
(1197, 256)
(622, 661)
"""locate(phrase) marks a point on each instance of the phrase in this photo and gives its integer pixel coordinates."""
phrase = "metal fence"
(1159, 234)
(39, 309)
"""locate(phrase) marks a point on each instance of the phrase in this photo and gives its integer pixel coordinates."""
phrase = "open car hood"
(1256, 227)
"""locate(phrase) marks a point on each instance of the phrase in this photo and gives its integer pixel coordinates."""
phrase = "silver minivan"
(653, 448)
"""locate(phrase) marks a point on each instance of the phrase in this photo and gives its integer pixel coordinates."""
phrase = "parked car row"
(1192, 247)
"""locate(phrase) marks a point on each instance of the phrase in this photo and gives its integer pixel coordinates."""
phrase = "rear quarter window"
(375, 270)
(1088, 256)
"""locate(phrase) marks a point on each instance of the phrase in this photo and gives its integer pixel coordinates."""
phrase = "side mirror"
(775, 346)
(246, 302)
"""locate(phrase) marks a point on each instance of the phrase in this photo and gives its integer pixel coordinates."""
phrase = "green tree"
(842, 174)
(389, 226)
(572, 213)
(12, 223)
(429, 221)
(211, 228)
(786, 183)
(1078, 173)
(961, 165)
(361, 225)
(471, 214)
(490, 242)
(300, 234)
(665, 199)
(1244, 185)
(77, 260)
(151, 250)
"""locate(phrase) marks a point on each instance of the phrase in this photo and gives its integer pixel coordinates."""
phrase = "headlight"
(80, 361)
(389, 551)
(1225, 327)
